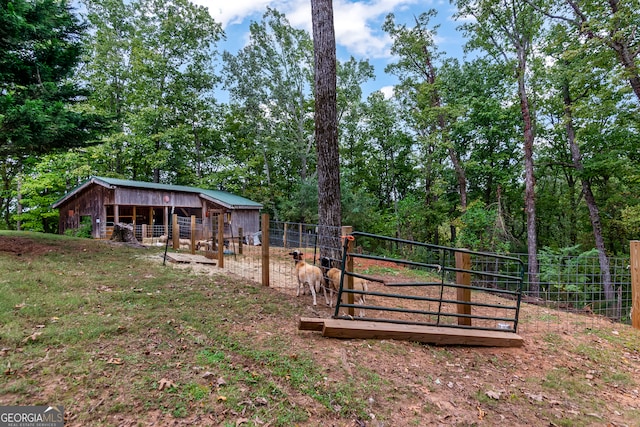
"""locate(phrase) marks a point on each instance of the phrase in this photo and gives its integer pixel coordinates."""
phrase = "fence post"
(284, 236)
(175, 231)
(240, 240)
(300, 235)
(221, 239)
(634, 265)
(463, 262)
(265, 249)
(193, 234)
(165, 220)
(346, 231)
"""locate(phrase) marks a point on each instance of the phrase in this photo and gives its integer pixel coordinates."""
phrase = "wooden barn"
(103, 202)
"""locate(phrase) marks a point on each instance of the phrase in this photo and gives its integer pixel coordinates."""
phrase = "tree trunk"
(444, 129)
(326, 129)
(530, 179)
(19, 206)
(124, 233)
(594, 214)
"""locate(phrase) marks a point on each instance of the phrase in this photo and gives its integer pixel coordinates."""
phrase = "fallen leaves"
(34, 336)
(8, 370)
(481, 413)
(493, 394)
(165, 384)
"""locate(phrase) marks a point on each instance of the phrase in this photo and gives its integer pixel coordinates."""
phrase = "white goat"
(309, 274)
(359, 284)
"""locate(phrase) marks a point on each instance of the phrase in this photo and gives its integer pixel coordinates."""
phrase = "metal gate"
(415, 283)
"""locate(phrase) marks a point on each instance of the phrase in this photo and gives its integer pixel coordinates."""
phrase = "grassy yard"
(119, 339)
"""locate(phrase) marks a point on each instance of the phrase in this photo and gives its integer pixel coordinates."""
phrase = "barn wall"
(94, 199)
(143, 197)
(248, 219)
(90, 202)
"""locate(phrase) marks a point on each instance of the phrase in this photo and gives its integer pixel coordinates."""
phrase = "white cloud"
(387, 91)
(357, 23)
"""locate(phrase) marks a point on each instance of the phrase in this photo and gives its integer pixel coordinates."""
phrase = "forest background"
(530, 146)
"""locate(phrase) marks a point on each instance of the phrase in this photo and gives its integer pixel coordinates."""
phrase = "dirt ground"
(508, 375)
(508, 379)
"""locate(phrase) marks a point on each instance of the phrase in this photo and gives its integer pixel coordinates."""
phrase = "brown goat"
(359, 284)
(308, 274)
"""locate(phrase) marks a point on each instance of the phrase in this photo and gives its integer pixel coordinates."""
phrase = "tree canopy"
(530, 142)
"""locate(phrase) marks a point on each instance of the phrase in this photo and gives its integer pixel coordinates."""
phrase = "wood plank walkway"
(189, 259)
(364, 329)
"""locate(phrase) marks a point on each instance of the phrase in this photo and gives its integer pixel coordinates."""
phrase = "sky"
(358, 27)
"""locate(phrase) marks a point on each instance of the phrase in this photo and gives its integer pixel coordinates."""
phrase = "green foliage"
(151, 66)
(480, 229)
(572, 275)
(43, 184)
(631, 221)
(84, 230)
(301, 204)
(39, 50)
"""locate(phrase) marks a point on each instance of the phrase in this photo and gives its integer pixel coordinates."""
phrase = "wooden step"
(364, 329)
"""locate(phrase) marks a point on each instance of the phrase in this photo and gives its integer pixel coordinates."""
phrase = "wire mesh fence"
(570, 292)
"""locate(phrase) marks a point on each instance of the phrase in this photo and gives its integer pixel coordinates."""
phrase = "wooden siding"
(95, 200)
(88, 203)
(247, 219)
(142, 197)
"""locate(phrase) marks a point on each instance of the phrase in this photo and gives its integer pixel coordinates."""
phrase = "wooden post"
(300, 235)
(240, 240)
(284, 236)
(165, 221)
(347, 230)
(175, 231)
(221, 239)
(463, 262)
(634, 266)
(144, 232)
(265, 249)
(193, 234)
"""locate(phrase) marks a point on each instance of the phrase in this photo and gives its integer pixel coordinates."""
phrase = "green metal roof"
(220, 197)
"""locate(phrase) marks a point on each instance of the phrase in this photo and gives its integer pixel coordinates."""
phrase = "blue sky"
(358, 26)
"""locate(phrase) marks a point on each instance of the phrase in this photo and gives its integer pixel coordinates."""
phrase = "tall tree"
(418, 69)
(270, 82)
(151, 63)
(577, 79)
(326, 127)
(506, 29)
(40, 47)
(612, 24)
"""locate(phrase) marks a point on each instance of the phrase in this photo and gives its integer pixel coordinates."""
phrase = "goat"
(359, 284)
(184, 243)
(206, 245)
(309, 274)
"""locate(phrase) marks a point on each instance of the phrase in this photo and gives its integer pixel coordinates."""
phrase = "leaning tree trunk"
(326, 129)
(530, 180)
(594, 214)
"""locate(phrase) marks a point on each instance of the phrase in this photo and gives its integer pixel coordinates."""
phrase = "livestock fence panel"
(570, 296)
(415, 283)
(576, 284)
